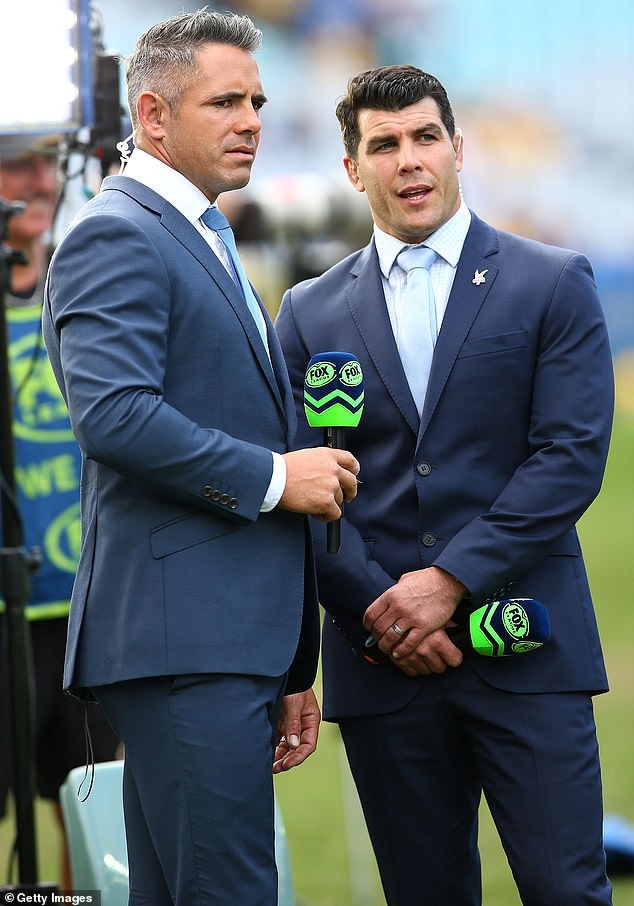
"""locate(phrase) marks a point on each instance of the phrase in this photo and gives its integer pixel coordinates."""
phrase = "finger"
(374, 613)
(348, 461)
(331, 511)
(293, 729)
(281, 752)
(407, 642)
(450, 653)
(395, 638)
(293, 757)
(439, 651)
(377, 623)
(411, 666)
(348, 485)
(433, 654)
(290, 721)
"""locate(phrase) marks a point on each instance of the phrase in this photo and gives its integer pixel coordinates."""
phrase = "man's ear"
(458, 147)
(353, 173)
(151, 109)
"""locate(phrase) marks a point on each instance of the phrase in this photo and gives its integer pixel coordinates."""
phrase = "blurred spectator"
(47, 478)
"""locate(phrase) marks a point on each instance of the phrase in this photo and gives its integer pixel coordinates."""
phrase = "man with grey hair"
(194, 618)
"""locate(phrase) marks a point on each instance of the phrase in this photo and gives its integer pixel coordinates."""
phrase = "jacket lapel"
(192, 241)
(474, 278)
(366, 301)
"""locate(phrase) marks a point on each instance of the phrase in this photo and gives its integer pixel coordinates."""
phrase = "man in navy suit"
(194, 616)
(473, 495)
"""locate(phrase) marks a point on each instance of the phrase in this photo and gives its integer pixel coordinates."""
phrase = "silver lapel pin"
(478, 277)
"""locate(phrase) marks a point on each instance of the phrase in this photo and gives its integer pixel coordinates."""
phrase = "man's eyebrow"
(419, 129)
(230, 95)
(377, 140)
(434, 128)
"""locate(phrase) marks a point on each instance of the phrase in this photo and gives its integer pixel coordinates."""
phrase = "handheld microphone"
(503, 628)
(333, 400)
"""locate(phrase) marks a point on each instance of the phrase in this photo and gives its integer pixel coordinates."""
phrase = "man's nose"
(409, 157)
(249, 120)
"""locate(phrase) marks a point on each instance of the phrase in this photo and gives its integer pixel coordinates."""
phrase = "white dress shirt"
(447, 242)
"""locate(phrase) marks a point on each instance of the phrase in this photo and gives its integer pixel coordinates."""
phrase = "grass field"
(330, 854)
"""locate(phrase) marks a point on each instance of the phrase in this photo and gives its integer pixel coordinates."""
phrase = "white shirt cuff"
(276, 485)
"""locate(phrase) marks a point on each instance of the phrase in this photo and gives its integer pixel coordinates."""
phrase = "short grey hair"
(164, 59)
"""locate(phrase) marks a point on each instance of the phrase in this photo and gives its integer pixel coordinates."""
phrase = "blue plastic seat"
(96, 837)
(96, 833)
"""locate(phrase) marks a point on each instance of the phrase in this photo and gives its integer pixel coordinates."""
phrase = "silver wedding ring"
(397, 629)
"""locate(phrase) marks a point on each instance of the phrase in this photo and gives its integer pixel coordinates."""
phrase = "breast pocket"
(500, 343)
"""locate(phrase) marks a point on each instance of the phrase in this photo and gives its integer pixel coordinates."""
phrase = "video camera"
(58, 80)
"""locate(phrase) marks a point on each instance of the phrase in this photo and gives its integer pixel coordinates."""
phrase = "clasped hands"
(421, 606)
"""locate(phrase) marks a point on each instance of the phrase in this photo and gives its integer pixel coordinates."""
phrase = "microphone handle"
(460, 636)
(335, 438)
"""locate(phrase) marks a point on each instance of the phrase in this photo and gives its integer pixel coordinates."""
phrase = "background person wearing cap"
(47, 482)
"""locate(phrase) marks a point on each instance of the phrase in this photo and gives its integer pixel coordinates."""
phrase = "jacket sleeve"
(108, 319)
(569, 428)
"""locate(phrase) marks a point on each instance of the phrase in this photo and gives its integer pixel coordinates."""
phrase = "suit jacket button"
(423, 468)
(429, 539)
(224, 499)
(234, 503)
(207, 491)
(215, 495)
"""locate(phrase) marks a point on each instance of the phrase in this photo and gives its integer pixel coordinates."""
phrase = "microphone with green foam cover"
(333, 400)
(497, 629)
(503, 628)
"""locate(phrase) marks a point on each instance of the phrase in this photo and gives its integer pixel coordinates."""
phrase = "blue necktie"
(417, 326)
(216, 221)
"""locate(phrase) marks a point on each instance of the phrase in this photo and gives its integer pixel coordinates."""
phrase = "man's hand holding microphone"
(322, 480)
(318, 481)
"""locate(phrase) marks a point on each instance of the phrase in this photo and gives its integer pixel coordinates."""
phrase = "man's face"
(31, 178)
(213, 135)
(408, 166)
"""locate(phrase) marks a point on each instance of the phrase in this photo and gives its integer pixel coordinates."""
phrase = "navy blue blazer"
(489, 484)
(176, 407)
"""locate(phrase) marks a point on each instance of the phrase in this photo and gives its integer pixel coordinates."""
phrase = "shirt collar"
(447, 241)
(170, 184)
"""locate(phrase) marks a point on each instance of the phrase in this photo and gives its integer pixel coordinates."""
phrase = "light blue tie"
(417, 326)
(216, 221)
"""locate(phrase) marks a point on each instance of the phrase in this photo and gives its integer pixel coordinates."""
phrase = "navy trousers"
(198, 787)
(420, 772)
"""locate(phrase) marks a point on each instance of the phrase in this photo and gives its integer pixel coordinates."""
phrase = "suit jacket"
(489, 483)
(176, 407)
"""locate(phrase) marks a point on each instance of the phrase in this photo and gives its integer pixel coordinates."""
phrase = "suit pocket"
(504, 342)
(188, 531)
